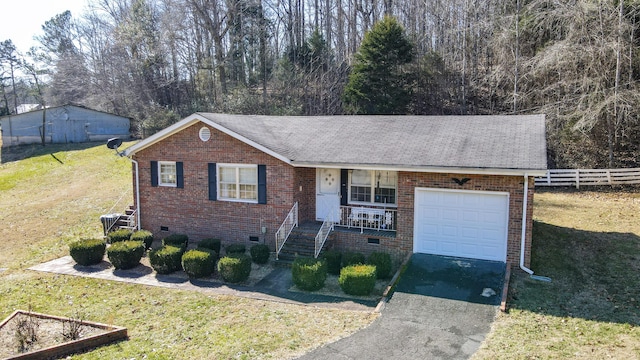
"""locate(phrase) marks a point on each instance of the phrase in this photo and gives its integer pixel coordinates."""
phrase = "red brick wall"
(305, 193)
(514, 185)
(190, 211)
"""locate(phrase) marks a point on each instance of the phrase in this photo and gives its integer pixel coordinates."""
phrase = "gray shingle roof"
(477, 142)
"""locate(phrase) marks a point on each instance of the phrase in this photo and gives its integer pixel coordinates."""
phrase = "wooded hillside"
(159, 60)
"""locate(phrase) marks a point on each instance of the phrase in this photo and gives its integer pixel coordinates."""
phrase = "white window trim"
(237, 167)
(160, 183)
(373, 186)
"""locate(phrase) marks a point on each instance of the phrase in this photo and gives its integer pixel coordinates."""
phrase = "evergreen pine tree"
(378, 83)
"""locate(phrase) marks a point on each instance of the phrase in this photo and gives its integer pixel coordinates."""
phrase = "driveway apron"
(441, 308)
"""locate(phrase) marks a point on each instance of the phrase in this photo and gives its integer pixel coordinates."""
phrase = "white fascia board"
(443, 170)
(190, 120)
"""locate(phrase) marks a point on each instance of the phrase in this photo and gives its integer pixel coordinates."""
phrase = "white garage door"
(469, 224)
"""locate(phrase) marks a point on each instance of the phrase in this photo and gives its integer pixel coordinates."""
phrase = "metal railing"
(578, 177)
(370, 218)
(290, 221)
(323, 233)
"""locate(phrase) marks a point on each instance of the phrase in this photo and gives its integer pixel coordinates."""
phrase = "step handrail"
(290, 221)
(325, 230)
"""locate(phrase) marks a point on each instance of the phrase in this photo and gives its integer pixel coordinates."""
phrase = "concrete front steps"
(301, 243)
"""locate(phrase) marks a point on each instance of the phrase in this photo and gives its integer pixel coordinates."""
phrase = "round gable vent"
(205, 134)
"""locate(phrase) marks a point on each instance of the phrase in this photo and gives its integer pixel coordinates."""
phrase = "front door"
(328, 193)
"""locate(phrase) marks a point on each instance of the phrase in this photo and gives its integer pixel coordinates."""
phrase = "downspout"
(135, 163)
(523, 235)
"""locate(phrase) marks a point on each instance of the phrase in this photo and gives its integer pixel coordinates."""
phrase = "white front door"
(327, 193)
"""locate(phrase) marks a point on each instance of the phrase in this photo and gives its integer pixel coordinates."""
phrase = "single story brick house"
(447, 185)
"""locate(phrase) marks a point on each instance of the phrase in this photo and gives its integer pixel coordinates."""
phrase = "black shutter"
(179, 175)
(344, 186)
(213, 183)
(262, 184)
(154, 173)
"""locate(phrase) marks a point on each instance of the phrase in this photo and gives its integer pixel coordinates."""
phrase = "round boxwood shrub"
(235, 249)
(199, 263)
(166, 259)
(178, 240)
(143, 235)
(353, 258)
(87, 251)
(119, 235)
(357, 279)
(125, 254)
(382, 262)
(309, 274)
(235, 268)
(260, 253)
(213, 244)
(333, 258)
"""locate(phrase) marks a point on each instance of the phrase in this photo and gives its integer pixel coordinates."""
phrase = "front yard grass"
(589, 244)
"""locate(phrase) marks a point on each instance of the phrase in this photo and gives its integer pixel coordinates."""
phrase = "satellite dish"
(113, 143)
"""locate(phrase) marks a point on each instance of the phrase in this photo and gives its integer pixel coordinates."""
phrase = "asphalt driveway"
(437, 311)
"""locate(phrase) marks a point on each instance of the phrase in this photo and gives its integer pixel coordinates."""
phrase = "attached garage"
(471, 224)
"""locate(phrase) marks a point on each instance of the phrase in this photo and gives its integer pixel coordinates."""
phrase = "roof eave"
(430, 169)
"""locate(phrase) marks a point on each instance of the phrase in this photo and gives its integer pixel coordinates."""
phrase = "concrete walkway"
(273, 287)
(436, 312)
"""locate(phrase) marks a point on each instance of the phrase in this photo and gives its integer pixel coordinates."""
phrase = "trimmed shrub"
(235, 249)
(178, 240)
(199, 263)
(87, 251)
(353, 258)
(382, 262)
(260, 253)
(166, 259)
(309, 274)
(235, 268)
(143, 235)
(213, 244)
(357, 279)
(119, 235)
(125, 254)
(333, 258)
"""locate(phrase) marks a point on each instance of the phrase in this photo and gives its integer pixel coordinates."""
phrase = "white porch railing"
(325, 230)
(578, 177)
(370, 218)
(290, 221)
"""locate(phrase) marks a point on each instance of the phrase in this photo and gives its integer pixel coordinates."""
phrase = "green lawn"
(56, 194)
(589, 244)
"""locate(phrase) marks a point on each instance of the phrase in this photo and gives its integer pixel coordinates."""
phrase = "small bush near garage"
(235, 268)
(88, 251)
(353, 258)
(143, 235)
(260, 253)
(309, 274)
(357, 279)
(382, 262)
(333, 258)
(119, 235)
(199, 263)
(235, 249)
(178, 240)
(125, 254)
(166, 259)
(213, 244)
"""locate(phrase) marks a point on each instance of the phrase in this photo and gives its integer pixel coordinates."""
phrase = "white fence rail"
(290, 221)
(580, 177)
